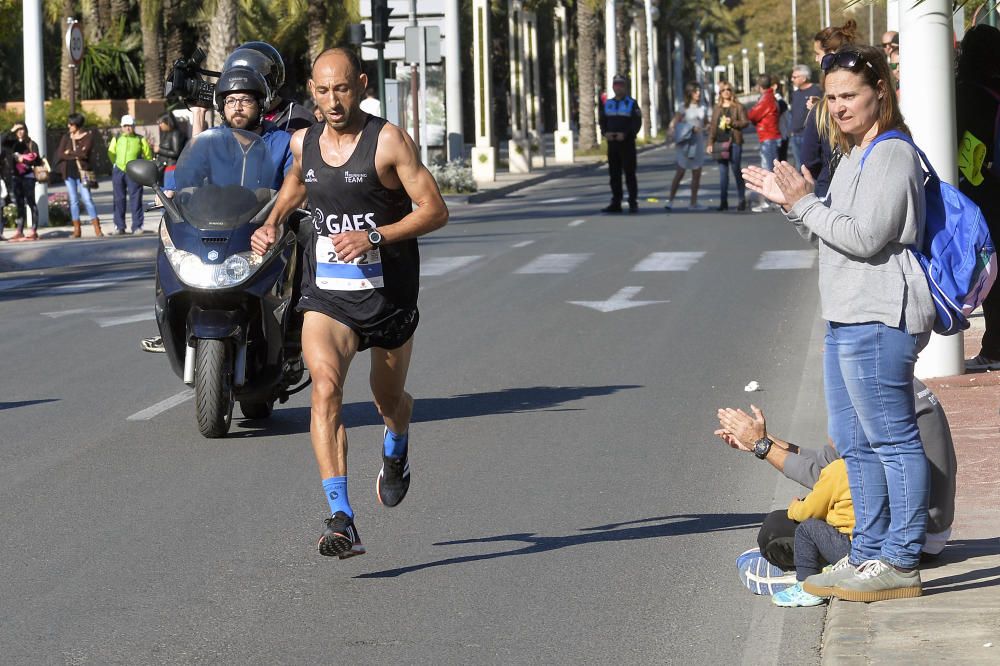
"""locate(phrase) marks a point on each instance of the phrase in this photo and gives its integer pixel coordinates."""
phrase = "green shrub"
(56, 113)
(454, 177)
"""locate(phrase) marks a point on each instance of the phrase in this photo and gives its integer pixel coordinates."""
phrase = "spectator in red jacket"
(765, 115)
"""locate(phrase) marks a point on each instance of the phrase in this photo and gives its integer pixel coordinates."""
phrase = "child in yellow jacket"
(823, 536)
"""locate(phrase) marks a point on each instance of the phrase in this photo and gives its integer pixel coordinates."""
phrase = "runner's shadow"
(467, 405)
(25, 403)
(534, 543)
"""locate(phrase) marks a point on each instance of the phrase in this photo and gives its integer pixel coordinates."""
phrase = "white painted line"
(576, 223)
(523, 243)
(556, 201)
(162, 406)
(553, 263)
(668, 261)
(76, 288)
(779, 260)
(149, 315)
(445, 265)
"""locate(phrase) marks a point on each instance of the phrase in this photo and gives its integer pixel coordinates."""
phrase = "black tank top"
(351, 197)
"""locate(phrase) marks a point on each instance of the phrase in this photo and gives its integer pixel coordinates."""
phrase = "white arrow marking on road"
(162, 406)
(622, 300)
(576, 223)
(149, 315)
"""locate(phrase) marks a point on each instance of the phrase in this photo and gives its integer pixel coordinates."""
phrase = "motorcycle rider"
(264, 58)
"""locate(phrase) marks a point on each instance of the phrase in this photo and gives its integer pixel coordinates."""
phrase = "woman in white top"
(688, 127)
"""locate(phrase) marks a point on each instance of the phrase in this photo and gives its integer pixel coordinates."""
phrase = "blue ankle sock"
(394, 445)
(335, 489)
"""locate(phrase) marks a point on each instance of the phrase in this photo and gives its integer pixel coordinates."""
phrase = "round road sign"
(74, 41)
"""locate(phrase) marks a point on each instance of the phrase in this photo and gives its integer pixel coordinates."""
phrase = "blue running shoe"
(760, 576)
(796, 597)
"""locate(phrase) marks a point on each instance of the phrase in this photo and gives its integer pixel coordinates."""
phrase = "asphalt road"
(569, 502)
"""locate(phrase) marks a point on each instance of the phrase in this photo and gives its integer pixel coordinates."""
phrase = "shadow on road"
(25, 403)
(647, 528)
(505, 401)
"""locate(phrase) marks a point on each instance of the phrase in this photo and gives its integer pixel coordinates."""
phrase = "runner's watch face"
(375, 238)
(762, 447)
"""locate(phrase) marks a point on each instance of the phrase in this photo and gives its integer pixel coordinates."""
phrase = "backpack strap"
(896, 134)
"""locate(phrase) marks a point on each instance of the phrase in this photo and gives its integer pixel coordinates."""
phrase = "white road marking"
(162, 406)
(90, 284)
(555, 201)
(445, 265)
(668, 261)
(523, 243)
(553, 263)
(621, 300)
(576, 223)
(149, 315)
(779, 260)
(75, 311)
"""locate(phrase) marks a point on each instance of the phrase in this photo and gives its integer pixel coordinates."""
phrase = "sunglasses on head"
(845, 59)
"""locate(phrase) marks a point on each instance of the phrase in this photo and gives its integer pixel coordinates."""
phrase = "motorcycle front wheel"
(213, 387)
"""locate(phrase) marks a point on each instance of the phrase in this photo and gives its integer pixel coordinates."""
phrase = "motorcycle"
(226, 315)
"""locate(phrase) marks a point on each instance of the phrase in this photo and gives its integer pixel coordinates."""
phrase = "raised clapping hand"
(783, 186)
(740, 430)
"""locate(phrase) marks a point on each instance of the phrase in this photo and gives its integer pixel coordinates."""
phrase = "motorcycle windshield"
(223, 178)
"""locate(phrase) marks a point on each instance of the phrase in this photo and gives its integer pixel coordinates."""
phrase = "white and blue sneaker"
(796, 597)
(760, 576)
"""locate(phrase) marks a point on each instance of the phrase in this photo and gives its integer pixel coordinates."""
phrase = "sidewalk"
(957, 621)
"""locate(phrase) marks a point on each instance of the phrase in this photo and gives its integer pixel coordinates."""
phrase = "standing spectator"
(804, 89)
(171, 144)
(6, 183)
(24, 156)
(620, 119)
(879, 314)
(124, 148)
(726, 127)
(72, 161)
(818, 154)
(784, 118)
(890, 42)
(765, 115)
(689, 127)
(371, 104)
(977, 91)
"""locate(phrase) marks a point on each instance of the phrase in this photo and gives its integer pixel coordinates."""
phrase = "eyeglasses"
(233, 102)
(845, 59)
(887, 45)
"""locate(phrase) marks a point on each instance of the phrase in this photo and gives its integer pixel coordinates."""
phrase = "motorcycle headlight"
(192, 271)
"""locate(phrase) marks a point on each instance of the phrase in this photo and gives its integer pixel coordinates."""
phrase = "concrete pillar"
(34, 96)
(892, 15)
(534, 86)
(926, 70)
(518, 147)
(611, 44)
(651, 72)
(484, 153)
(453, 81)
(563, 135)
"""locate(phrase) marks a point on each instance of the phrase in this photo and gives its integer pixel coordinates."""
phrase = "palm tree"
(223, 36)
(586, 48)
(150, 16)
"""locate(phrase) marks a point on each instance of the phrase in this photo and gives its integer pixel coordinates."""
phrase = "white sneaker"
(761, 208)
(981, 362)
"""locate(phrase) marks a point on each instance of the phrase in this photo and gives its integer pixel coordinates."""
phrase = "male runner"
(360, 277)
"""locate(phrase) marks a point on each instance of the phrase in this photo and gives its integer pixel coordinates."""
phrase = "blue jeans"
(868, 379)
(735, 163)
(796, 146)
(769, 153)
(76, 191)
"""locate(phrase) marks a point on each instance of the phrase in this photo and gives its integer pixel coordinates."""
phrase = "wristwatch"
(375, 238)
(762, 447)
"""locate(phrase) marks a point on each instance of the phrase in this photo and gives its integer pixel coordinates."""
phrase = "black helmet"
(242, 79)
(262, 57)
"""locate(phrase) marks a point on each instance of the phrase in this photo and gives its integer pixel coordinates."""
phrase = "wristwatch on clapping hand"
(762, 447)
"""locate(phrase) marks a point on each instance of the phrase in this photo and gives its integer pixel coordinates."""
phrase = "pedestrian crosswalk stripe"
(779, 260)
(668, 261)
(553, 263)
(524, 243)
(162, 406)
(576, 223)
(445, 265)
(149, 315)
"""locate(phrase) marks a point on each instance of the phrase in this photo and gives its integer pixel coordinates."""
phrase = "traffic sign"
(74, 42)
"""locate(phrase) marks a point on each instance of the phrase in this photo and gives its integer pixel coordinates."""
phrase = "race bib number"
(332, 274)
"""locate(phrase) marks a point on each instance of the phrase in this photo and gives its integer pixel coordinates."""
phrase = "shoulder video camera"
(186, 82)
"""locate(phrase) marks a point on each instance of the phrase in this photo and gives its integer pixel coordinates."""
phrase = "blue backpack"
(957, 254)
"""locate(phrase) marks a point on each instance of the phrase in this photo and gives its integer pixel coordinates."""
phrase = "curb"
(60, 253)
(563, 172)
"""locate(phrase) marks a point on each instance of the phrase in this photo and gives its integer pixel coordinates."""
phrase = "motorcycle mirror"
(143, 172)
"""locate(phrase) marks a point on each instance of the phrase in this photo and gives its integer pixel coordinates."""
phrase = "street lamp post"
(746, 71)
(760, 57)
(731, 71)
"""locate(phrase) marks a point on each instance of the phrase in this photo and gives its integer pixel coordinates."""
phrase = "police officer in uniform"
(620, 119)
(361, 175)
